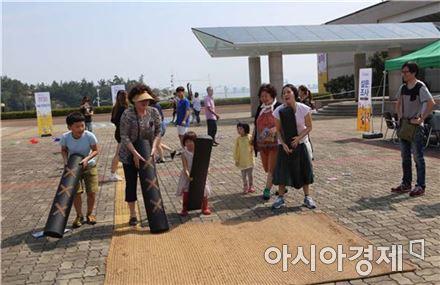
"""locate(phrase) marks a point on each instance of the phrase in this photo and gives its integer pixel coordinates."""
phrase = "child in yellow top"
(243, 156)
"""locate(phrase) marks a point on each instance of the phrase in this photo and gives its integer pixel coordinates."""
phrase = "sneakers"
(309, 203)
(114, 177)
(251, 189)
(402, 188)
(133, 221)
(266, 194)
(279, 202)
(91, 219)
(417, 191)
(173, 154)
(215, 143)
(78, 222)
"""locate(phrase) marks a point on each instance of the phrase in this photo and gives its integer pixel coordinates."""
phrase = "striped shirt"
(149, 126)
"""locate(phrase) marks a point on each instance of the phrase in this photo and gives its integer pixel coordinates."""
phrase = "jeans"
(212, 128)
(416, 148)
(89, 126)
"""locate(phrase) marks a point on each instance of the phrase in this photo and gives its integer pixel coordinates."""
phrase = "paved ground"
(353, 178)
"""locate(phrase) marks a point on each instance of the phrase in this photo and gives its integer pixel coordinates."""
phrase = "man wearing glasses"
(414, 104)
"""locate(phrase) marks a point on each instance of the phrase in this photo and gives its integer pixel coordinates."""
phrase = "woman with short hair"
(265, 137)
(139, 122)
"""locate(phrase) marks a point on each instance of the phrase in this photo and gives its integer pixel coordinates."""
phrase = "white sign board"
(42, 103)
(365, 77)
(364, 105)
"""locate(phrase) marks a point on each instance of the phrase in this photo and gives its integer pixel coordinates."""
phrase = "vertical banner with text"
(322, 72)
(115, 89)
(44, 113)
(364, 104)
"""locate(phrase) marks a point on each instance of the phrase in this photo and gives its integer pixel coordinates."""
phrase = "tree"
(377, 63)
(18, 96)
(341, 84)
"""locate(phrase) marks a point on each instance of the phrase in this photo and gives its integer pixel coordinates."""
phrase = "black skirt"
(293, 169)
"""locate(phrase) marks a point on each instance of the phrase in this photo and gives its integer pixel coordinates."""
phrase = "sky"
(43, 42)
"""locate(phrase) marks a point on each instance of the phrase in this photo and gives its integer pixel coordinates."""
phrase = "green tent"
(428, 56)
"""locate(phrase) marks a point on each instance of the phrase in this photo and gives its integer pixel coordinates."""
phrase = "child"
(188, 141)
(82, 142)
(86, 108)
(243, 156)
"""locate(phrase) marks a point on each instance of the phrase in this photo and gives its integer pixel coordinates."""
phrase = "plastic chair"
(434, 127)
(391, 125)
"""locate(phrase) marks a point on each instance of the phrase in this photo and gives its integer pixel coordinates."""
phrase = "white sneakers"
(114, 177)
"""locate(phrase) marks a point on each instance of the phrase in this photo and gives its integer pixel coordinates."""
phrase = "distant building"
(332, 65)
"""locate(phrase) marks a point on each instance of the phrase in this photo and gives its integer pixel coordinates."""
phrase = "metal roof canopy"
(257, 41)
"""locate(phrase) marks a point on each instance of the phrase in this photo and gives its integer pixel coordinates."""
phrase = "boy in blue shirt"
(82, 142)
(183, 112)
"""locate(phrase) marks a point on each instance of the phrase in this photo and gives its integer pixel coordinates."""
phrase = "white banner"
(115, 89)
(42, 103)
(365, 76)
(44, 113)
(364, 104)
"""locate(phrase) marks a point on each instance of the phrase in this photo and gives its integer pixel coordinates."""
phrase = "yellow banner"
(44, 113)
(363, 119)
(322, 78)
(45, 125)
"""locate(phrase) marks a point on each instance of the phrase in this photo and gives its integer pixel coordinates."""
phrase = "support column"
(360, 61)
(254, 82)
(276, 71)
(394, 76)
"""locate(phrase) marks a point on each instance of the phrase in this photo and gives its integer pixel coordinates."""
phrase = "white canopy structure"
(276, 41)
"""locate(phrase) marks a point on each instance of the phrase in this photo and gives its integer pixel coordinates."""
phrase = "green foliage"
(18, 96)
(108, 109)
(377, 63)
(232, 101)
(339, 85)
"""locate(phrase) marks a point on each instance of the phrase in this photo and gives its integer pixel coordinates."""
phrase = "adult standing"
(183, 112)
(265, 138)
(414, 104)
(86, 108)
(118, 109)
(173, 102)
(294, 166)
(305, 96)
(163, 128)
(211, 115)
(139, 122)
(197, 107)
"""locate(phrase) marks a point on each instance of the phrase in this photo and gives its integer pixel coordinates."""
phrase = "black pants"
(212, 128)
(131, 175)
(197, 113)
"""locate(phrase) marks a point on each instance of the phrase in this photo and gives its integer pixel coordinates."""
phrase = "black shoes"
(133, 221)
